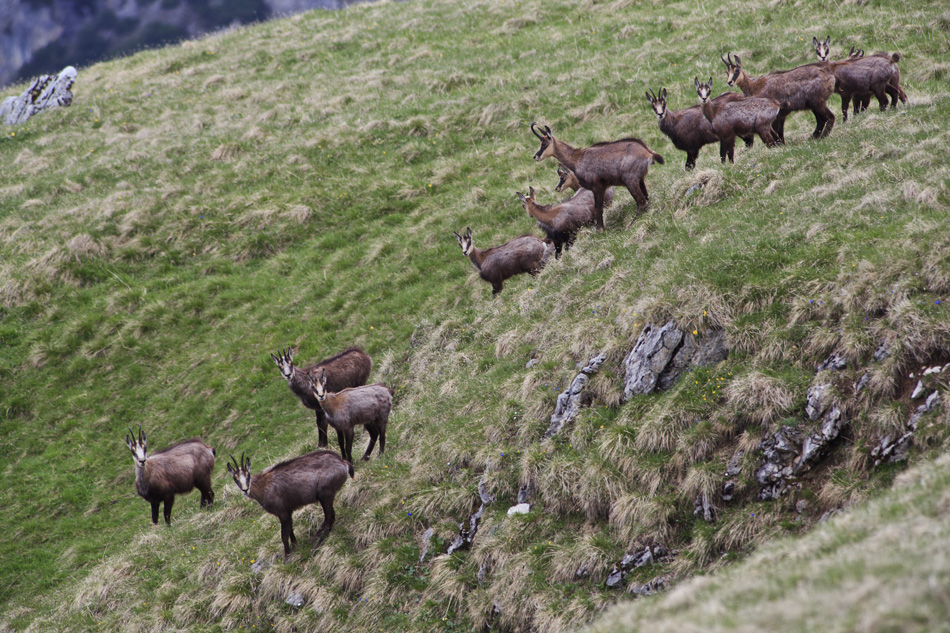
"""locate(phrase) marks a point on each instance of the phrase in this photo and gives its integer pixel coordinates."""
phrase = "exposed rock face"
(661, 354)
(895, 448)
(732, 471)
(836, 361)
(570, 400)
(467, 533)
(634, 560)
(48, 91)
(424, 547)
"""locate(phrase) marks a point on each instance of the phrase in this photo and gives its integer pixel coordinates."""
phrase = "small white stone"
(521, 508)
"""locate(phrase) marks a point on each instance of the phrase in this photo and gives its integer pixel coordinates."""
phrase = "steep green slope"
(297, 183)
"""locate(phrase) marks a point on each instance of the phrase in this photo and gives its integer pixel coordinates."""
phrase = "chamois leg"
(287, 533)
(778, 126)
(349, 446)
(382, 439)
(342, 440)
(169, 502)
(155, 505)
(765, 133)
(845, 102)
(599, 207)
(635, 189)
(496, 287)
(691, 159)
(557, 249)
(329, 518)
(881, 98)
(322, 441)
(749, 139)
(207, 494)
(373, 433)
(643, 188)
(824, 121)
(723, 150)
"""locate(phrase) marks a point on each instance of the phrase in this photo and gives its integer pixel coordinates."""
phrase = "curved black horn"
(534, 123)
(724, 61)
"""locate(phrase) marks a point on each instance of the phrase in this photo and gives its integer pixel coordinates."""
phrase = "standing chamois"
(860, 77)
(566, 178)
(689, 129)
(737, 117)
(802, 88)
(561, 220)
(349, 368)
(175, 470)
(614, 163)
(525, 254)
(346, 409)
(290, 485)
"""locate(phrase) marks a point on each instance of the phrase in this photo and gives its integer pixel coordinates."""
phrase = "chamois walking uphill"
(689, 129)
(175, 470)
(860, 78)
(737, 117)
(525, 254)
(367, 406)
(288, 486)
(613, 163)
(561, 221)
(802, 88)
(349, 368)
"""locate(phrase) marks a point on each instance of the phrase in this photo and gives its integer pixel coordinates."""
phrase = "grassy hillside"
(297, 183)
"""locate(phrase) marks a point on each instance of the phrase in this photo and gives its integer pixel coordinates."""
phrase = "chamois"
(736, 117)
(802, 88)
(561, 220)
(290, 485)
(861, 77)
(525, 254)
(175, 470)
(367, 406)
(613, 163)
(349, 368)
(566, 178)
(689, 129)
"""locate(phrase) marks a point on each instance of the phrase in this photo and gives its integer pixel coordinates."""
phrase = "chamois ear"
(724, 61)
(468, 232)
(814, 42)
(649, 98)
(696, 82)
(531, 192)
(457, 236)
(710, 83)
(828, 41)
(520, 196)
(290, 354)
(276, 360)
(128, 441)
(738, 61)
(663, 94)
(547, 131)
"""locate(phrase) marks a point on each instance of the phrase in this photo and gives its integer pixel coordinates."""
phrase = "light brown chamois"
(561, 221)
(566, 178)
(287, 486)
(689, 129)
(175, 470)
(614, 163)
(737, 117)
(349, 368)
(525, 254)
(802, 88)
(346, 409)
(861, 77)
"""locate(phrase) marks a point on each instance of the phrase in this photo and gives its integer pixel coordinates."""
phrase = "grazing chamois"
(561, 221)
(613, 163)
(346, 409)
(349, 368)
(290, 485)
(861, 77)
(175, 470)
(525, 254)
(802, 88)
(737, 117)
(689, 129)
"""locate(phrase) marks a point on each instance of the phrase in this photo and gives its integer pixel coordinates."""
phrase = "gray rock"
(531, 363)
(882, 352)
(424, 550)
(259, 566)
(835, 361)
(703, 507)
(467, 532)
(634, 560)
(865, 379)
(525, 493)
(893, 450)
(662, 354)
(521, 508)
(815, 401)
(816, 444)
(647, 589)
(48, 91)
(569, 402)
(918, 390)
(295, 599)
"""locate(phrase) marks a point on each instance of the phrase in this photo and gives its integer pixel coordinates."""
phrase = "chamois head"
(241, 473)
(658, 103)
(526, 199)
(319, 387)
(547, 141)
(465, 241)
(822, 49)
(733, 68)
(703, 89)
(855, 53)
(285, 363)
(566, 179)
(137, 446)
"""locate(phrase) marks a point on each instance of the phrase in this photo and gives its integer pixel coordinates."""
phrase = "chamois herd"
(760, 109)
(335, 388)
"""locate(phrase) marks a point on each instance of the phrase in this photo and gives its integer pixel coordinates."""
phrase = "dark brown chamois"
(689, 129)
(614, 163)
(802, 88)
(566, 178)
(346, 409)
(561, 221)
(349, 368)
(287, 486)
(737, 117)
(175, 470)
(525, 254)
(861, 77)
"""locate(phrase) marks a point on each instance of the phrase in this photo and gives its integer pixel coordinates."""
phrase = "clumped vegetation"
(297, 183)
